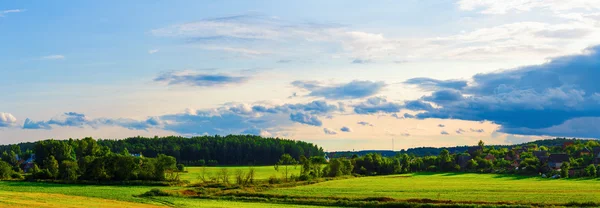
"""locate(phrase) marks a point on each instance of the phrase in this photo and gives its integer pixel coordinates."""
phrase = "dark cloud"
(346, 129)
(406, 115)
(377, 105)
(444, 133)
(200, 80)
(477, 130)
(430, 84)
(7, 119)
(351, 90)
(72, 119)
(531, 100)
(329, 131)
(364, 123)
(444, 96)
(441, 125)
(306, 119)
(460, 131)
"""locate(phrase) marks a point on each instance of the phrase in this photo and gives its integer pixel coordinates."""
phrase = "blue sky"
(343, 74)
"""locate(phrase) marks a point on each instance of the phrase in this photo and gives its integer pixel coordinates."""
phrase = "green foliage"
(286, 160)
(51, 164)
(591, 170)
(564, 170)
(69, 170)
(5, 170)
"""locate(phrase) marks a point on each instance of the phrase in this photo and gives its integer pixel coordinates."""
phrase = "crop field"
(262, 172)
(443, 186)
(49, 195)
(456, 187)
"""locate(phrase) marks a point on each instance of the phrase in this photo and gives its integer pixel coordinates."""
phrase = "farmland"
(262, 172)
(457, 187)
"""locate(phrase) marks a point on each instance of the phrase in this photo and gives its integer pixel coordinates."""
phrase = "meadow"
(456, 187)
(465, 187)
(261, 172)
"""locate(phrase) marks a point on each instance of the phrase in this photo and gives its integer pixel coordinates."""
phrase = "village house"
(490, 157)
(542, 156)
(585, 151)
(556, 160)
(596, 153)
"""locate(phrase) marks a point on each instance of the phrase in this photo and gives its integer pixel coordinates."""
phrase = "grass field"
(442, 186)
(456, 187)
(50, 195)
(262, 172)
(46, 200)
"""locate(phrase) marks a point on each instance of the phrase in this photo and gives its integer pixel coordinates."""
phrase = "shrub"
(16, 176)
(180, 167)
(156, 192)
(5, 170)
(274, 180)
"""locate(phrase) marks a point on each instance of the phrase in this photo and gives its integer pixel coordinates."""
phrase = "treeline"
(216, 150)
(432, 151)
(571, 158)
(83, 159)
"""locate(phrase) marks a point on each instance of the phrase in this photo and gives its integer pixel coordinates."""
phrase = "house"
(596, 153)
(29, 163)
(542, 156)
(585, 151)
(566, 144)
(490, 157)
(137, 155)
(463, 160)
(556, 160)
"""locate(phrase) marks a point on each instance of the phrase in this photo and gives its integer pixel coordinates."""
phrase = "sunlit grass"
(456, 187)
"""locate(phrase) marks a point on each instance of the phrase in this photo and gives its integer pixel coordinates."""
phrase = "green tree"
(564, 170)
(5, 170)
(286, 160)
(472, 164)
(591, 170)
(69, 170)
(51, 164)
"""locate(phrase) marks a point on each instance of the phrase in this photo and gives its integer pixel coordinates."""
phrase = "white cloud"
(153, 51)
(53, 57)
(4, 12)
(7, 119)
(505, 6)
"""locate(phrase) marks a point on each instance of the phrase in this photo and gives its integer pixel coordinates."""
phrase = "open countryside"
(300, 103)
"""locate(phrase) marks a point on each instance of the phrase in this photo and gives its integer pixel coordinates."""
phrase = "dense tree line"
(433, 151)
(216, 150)
(528, 158)
(83, 159)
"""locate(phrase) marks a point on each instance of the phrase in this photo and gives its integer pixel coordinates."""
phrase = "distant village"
(554, 158)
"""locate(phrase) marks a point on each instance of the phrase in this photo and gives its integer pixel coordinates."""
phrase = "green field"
(262, 172)
(456, 187)
(442, 186)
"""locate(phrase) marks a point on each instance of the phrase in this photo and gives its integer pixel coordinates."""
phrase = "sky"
(345, 75)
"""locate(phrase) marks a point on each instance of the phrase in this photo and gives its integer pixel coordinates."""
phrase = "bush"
(274, 180)
(156, 192)
(16, 176)
(5, 170)
(180, 167)
(304, 177)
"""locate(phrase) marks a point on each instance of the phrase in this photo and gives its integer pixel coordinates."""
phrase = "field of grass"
(456, 187)
(262, 172)
(46, 200)
(50, 195)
